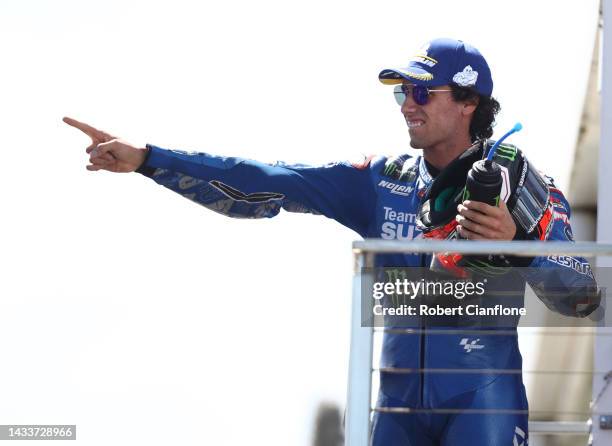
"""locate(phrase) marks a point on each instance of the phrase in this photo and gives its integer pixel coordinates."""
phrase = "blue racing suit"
(379, 198)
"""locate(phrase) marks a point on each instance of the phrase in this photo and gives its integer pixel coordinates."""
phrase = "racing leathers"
(379, 198)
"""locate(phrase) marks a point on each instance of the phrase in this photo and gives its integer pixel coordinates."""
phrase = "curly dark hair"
(483, 120)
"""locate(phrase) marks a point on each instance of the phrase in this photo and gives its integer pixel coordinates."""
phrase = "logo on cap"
(466, 78)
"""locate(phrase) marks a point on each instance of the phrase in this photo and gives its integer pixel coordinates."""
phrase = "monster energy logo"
(408, 173)
(400, 170)
(394, 274)
(485, 266)
(507, 152)
(390, 168)
(466, 196)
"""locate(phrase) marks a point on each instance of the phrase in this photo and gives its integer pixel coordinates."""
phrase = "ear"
(469, 106)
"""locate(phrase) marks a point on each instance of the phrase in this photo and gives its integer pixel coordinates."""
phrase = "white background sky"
(145, 319)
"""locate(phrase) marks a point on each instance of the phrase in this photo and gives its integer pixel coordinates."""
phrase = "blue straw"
(517, 127)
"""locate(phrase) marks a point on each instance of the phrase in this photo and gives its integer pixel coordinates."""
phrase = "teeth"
(413, 124)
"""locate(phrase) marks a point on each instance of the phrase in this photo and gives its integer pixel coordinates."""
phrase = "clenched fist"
(107, 152)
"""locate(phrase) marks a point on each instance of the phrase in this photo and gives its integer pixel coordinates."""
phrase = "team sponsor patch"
(520, 437)
(550, 181)
(423, 58)
(398, 225)
(523, 175)
(467, 77)
(558, 204)
(471, 344)
(399, 216)
(409, 173)
(398, 169)
(235, 194)
(581, 267)
(392, 166)
(397, 189)
(507, 151)
(560, 215)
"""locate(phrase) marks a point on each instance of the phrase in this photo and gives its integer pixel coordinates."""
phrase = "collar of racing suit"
(525, 190)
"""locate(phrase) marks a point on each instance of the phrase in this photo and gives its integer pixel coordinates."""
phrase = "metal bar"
(519, 248)
(558, 427)
(360, 363)
(407, 371)
(591, 331)
(360, 366)
(603, 344)
(411, 410)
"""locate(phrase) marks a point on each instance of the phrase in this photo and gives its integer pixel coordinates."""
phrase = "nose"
(409, 106)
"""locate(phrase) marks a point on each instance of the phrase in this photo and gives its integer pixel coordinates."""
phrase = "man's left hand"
(479, 221)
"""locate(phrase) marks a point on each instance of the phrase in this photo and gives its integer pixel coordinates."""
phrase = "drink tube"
(484, 180)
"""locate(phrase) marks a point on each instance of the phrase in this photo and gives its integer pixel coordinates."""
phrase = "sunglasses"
(420, 94)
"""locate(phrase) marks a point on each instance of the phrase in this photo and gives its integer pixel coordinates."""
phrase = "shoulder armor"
(400, 168)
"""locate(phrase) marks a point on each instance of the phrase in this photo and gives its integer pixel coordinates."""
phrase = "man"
(445, 97)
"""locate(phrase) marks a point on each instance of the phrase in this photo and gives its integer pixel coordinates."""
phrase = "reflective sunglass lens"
(420, 94)
(399, 95)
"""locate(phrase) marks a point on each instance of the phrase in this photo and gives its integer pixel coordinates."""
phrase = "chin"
(415, 144)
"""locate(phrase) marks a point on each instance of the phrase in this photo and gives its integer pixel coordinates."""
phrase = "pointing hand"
(108, 152)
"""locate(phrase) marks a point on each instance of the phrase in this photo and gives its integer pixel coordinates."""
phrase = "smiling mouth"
(414, 124)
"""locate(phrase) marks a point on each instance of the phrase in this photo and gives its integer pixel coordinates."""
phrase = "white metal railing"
(357, 432)
(518, 248)
(559, 427)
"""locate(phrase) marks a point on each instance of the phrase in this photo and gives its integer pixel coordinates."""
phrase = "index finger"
(481, 207)
(90, 131)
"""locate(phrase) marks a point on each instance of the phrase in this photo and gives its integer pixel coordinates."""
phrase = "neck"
(441, 155)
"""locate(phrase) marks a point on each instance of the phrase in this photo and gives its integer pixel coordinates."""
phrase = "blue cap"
(442, 62)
